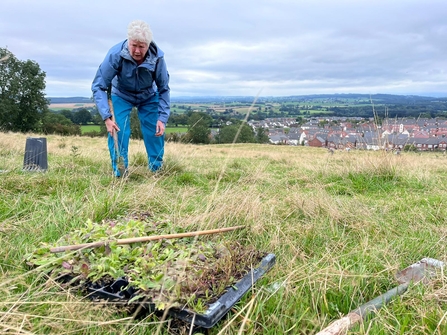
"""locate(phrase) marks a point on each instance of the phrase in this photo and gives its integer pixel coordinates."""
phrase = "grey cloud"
(237, 47)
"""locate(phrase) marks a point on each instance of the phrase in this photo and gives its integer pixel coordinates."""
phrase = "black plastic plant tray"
(215, 312)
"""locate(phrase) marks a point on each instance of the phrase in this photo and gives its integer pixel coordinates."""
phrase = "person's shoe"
(155, 168)
(124, 173)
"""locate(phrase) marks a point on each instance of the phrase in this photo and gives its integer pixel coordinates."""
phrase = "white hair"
(139, 31)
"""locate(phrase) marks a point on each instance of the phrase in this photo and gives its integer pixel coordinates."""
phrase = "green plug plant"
(172, 272)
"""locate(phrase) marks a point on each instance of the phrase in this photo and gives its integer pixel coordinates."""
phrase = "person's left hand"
(160, 130)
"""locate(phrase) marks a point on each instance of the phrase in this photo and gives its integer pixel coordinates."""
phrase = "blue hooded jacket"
(132, 82)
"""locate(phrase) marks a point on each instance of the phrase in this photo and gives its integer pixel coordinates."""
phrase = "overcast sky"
(242, 47)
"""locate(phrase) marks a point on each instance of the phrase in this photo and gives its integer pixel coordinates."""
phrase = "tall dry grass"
(340, 226)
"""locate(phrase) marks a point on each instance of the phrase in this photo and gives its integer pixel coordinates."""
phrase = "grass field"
(340, 225)
(168, 130)
(90, 128)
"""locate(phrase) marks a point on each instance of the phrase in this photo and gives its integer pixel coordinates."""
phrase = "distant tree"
(135, 127)
(261, 136)
(173, 119)
(53, 123)
(300, 120)
(82, 116)
(177, 119)
(227, 134)
(183, 119)
(56, 118)
(22, 97)
(425, 115)
(67, 113)
(97, 119)
(246, 134)
(237, 133)
(199, 128)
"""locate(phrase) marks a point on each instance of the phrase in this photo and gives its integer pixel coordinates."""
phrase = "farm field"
(349, 105)
(305, 107)
(69, 106)
(340, 225)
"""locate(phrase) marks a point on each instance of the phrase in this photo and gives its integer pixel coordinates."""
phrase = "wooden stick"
(115, 135)
(142, 239)
(342, 325)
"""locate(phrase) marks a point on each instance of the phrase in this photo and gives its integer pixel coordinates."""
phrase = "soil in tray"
(200, 284)
(115, 292)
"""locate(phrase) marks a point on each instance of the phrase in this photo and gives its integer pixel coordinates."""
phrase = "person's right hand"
(111, 126)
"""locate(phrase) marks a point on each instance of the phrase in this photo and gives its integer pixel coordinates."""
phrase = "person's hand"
(111, 126)
(160, 129)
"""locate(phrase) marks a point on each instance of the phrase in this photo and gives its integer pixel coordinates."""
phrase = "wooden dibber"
(141, 239)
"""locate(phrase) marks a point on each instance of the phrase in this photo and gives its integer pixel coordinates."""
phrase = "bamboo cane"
(118, 159)
(141, 239)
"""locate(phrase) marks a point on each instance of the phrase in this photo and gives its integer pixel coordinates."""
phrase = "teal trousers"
(148, 115)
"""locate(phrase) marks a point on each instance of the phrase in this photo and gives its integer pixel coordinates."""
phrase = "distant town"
(335, 122)
(357, 133)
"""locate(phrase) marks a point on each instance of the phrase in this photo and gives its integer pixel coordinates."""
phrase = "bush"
(59, 129)
(93, 134)
(410, 147)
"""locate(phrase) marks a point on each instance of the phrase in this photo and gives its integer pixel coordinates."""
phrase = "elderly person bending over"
(136, 70)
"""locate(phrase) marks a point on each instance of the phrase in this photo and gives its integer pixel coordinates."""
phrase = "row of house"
(340, 133)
